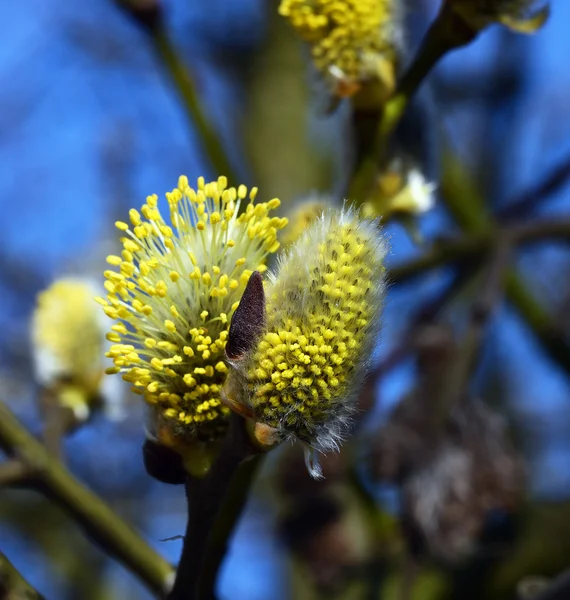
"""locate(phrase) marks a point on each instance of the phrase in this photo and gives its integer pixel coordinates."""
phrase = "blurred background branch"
(12, 585)
(98, 521)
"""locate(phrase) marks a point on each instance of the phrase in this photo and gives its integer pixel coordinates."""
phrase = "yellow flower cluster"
(174, 291)
(68, 336)
(322, 320)
(347, 37)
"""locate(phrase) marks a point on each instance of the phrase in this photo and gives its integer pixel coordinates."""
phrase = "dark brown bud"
(248, 320)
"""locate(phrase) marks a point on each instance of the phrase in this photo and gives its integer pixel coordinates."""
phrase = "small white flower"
(418, 196)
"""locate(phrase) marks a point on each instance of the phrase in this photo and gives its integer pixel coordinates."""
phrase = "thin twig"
(205, 499)
(95, 517)
(548, 332)
(467, 207)
(446, 33)
(13, 472)
(57, 421)
(150, 16)
(529, 200)
(473, 244)
(490, 293)
(12, 585)
(185, 86)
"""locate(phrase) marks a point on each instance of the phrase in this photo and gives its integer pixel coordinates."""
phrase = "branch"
(182, 81)
(149, 14)
(12, 585)
(530, 199)
(202, 541)
(446, 33)
(468, 246)
(57, 420)
(230, 513)
(490, 293)
(13, 472)
(467, 207)
(94, 516)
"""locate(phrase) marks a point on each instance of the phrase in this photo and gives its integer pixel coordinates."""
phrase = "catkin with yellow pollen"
(300, 377)
(173, 291)
(352, 41)
(68, 341)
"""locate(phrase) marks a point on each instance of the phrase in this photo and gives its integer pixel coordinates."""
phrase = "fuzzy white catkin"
(322, 321)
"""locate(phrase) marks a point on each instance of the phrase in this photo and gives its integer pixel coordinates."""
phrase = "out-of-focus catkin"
(353, 42)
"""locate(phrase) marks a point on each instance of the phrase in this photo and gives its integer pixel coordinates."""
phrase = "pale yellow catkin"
(172, 293)
(322, 321)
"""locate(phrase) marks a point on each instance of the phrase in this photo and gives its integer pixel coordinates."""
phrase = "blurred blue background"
(90, 124)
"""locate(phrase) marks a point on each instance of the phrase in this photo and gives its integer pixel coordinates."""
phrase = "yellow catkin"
(348, 38)
(322, 320)
(174, 298)
(68, 336)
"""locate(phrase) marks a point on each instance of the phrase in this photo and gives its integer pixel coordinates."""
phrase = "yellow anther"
(135, 216)
(114, 260)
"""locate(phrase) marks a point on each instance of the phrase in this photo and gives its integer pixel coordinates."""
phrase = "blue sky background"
(89, 125)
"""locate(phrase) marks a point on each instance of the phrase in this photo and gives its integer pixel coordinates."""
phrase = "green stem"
(12, 585)
(445, 34)
(185, 86)
(97, 519)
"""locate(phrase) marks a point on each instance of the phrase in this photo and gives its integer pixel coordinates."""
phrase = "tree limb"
(467, 207)
(205, 539)
(12, 585)
(95, 517)
(474, 244)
